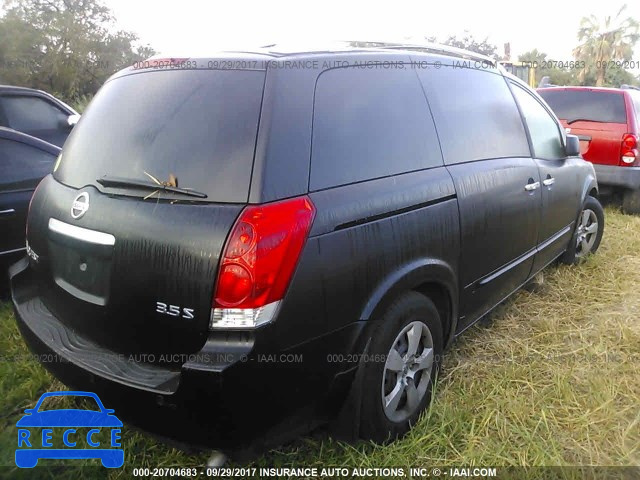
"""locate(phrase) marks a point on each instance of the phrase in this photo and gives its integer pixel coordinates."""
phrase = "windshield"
(195, 128)
(589, 105)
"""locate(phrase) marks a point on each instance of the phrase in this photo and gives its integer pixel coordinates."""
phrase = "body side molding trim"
(399, 211)
(489, 278)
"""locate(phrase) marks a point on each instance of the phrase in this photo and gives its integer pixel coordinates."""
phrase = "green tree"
(537, 59)
(603, 41)
(614, 77)
(469, 42)
(546, 67)
(68, 47)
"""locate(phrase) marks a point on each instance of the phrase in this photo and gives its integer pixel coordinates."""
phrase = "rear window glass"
(199, 126)
(589, 105)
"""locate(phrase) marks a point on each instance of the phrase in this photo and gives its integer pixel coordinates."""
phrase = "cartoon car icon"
(40, 446)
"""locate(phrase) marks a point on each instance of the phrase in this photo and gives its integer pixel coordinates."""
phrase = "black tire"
(405, 312)
(576, 251)
(631, 201)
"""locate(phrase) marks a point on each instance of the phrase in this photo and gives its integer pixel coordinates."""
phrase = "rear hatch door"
(130, 227)
(597, 117)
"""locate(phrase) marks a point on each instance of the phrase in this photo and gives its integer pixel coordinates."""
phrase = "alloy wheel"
(586, 233)
(407, 371)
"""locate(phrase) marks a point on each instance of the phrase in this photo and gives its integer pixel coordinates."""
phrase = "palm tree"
(605, 40)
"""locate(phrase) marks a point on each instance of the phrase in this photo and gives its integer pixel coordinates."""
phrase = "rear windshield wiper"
(569, 122)
(129, 182)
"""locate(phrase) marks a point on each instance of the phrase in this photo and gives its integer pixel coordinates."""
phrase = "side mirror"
(72, 120)
(29, 410)
(572, 148)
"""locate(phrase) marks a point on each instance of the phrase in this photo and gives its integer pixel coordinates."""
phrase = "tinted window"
(543, 128)
(21, 165)
(199, 125)
(475, 114)
(595, 106)
(369, 124)
(27, 113)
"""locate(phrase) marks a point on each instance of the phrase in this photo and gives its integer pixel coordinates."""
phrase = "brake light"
(258, 261)
(629, 149)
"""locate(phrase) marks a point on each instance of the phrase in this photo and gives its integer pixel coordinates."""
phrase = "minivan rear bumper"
(222, 397)
(624, 177)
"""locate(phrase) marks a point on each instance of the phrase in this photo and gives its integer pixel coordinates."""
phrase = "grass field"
(552, 378)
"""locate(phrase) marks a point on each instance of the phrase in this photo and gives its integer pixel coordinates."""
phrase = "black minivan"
(233, 249)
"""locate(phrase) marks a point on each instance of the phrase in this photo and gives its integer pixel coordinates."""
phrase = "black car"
(37, 113)
(24, 161)
(238, 247)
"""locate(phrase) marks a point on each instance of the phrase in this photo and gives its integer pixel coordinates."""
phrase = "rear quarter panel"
(362, 237)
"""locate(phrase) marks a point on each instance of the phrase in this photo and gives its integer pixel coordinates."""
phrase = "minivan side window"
(543, 128)
(30, 113)
(370, 123)
(475, 113)
(21, 164)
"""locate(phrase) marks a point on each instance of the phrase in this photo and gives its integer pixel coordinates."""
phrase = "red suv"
(607, 122)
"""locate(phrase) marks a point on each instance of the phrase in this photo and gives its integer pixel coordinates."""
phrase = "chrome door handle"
(529, 187)
(548, 182)
(11, 211)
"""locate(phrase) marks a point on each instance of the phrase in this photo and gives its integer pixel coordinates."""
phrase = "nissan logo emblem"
(80, 205)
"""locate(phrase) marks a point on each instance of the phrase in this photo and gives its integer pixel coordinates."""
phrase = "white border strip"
(80, 233)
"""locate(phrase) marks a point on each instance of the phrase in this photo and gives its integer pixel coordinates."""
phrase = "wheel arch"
(589, 189)
(434, 278)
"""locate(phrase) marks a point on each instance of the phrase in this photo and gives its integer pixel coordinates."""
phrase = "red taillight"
(629, 149)
(261, 254)
(629, 141)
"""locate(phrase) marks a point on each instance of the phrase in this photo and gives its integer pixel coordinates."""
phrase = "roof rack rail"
(426, 47)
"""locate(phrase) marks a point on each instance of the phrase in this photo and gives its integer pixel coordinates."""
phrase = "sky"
(193, 27)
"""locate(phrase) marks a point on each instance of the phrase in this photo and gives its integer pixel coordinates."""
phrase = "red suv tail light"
(258, 261)
(629, 149)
